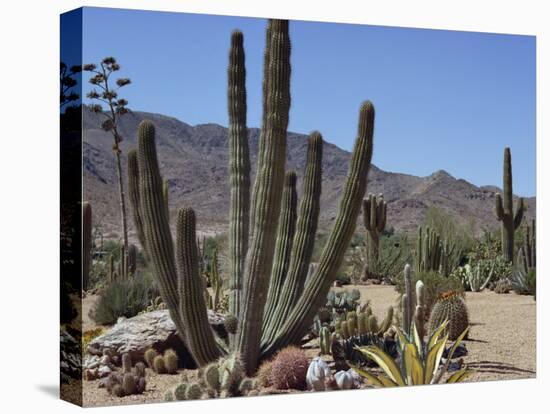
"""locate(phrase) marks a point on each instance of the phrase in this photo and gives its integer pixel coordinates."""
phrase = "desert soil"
(501, 344)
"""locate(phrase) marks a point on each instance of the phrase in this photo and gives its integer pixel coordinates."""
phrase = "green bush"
(123, 298)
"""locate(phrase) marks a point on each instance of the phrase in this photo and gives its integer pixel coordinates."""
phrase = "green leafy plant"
(419, 361)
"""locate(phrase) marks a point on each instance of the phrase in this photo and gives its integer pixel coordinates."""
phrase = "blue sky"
(444, 99)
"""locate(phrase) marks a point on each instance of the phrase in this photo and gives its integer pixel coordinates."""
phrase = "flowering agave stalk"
(420, 362)
(107, 94)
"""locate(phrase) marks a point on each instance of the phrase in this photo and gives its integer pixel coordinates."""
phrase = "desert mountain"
(195, 161)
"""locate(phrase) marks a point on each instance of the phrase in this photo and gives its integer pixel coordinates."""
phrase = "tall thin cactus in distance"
(374, 220)
(504, 209)
(86, 244)
(239, 169)
(527, 253)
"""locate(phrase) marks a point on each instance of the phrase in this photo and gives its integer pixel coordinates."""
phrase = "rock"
(147, 330)
(104, 371)
(70, 357)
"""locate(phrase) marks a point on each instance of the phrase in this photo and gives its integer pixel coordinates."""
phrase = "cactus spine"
(504, 209)
(239, 169)
(86, 244)
(374, 220)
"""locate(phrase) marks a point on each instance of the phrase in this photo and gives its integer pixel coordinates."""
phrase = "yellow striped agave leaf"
(373, 379)
(459, 376)
(385, 362)
(433, 359)
(413, 365)
(434, 338)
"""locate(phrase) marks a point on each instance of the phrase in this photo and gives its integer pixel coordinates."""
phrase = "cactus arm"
(316, 290)
(135, 198)
(158, 238)
(304, 238)
(499, 209)
(366, 213)
(283, 248)
(267, 192)
(200, 339)
(165, 196)
(239, 169)
(520, 209)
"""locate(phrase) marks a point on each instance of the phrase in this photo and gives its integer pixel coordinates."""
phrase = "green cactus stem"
(374, 220)
(504, 209)
(86, 244)
(239, 169)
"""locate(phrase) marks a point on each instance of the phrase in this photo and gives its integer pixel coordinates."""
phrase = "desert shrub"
(289, 369)
(525, 283)
(434, 285)
(123, 298)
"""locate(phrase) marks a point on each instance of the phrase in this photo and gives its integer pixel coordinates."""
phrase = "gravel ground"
(501, 344)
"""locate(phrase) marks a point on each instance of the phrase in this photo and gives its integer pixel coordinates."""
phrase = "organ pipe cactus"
(504, 209)
(374, 220)
(255, 263)
(86, 244)
(239, 169)
(413, 305)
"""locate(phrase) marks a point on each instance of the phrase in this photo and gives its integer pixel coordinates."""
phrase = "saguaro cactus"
(374, 220)
(279, 241)
(504, 209)
(86, 244)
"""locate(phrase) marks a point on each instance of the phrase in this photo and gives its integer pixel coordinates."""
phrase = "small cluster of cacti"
(345, 351)
(255, 214)
(374, 220)
(221, 379)
(413, 305)
(432, 253)
(527, 253)
(450, 307)
(166, 363)
(504, 209)
(362, 322)
(473, 277)
(118, 270)
(130, 381)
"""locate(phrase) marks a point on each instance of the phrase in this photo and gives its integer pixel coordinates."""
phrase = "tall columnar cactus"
(429, 253)
(304, 240)
(413, 306)
(283, 248)
(135, 199)
(86, 244)
(239, 169)
(272, 210)
(504, 209)
(180, 286)
(527, 254)
(374, 220)
(267, 197)
(132, 259)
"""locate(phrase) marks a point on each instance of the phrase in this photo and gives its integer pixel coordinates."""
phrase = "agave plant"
(419, 362)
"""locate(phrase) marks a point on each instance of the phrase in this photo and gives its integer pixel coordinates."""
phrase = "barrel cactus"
(450, 307)
(268, 293)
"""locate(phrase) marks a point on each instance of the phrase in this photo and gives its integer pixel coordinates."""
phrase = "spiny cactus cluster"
(504, 209)
(361, 322)
(86, 244)
(289, 368)
(162, 364)
(130, 381)
(413, 305)
(220, 379)
(527, 253)
(432, 253)
(450, 307)
(374, 220)
(268, 293)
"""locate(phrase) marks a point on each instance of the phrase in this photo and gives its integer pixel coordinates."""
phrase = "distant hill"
(195, 160)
